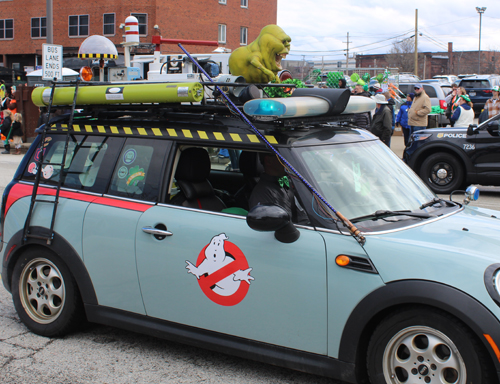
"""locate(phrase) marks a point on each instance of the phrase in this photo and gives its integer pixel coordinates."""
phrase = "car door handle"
(160, 234)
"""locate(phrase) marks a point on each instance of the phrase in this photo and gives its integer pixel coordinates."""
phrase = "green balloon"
(355, 77)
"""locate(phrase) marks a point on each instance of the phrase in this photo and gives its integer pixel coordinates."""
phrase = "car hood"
(455, 250)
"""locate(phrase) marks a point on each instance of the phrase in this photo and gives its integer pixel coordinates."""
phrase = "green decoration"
(260, 61)
(355, 77)
(280, 92)
(284, 182)
(366, 77)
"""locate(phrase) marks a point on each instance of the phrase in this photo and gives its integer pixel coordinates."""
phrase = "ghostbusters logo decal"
(222, 271)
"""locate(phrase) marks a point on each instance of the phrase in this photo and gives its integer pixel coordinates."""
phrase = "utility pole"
(347, 55)
(416, 42)
(50, 35)
(480, 10)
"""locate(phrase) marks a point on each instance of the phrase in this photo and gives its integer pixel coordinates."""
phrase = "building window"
(108, 24)
(142, 18)
(6, 28)
(222, 1)
(38, 27)
(243, 35)
(244, 3)
(79, 25)
(222, 33)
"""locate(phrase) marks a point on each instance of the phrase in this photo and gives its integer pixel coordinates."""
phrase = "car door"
(263, 289)
(486, 158)
(111, 221)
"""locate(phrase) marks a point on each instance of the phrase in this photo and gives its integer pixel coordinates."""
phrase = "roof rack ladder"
(40, 163)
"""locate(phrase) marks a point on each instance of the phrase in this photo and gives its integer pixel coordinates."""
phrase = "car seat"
(251, 168)
(192, 174)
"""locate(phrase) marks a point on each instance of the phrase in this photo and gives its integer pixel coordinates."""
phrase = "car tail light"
(488, 91)
(442, 104)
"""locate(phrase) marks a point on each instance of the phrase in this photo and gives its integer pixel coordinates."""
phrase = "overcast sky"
(374, 25)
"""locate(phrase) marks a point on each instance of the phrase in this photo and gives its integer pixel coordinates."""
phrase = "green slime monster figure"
(260, 61)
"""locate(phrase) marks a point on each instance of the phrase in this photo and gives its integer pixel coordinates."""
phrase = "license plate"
(472, 93)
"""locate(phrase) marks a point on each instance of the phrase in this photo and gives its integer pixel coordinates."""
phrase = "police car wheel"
(442, 172)
(45, 294)
(426, 346)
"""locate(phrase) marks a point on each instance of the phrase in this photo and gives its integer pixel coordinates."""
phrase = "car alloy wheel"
(42, 290)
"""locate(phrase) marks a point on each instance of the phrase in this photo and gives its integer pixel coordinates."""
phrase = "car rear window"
(475, 84)
(431, 92)
(88, 164)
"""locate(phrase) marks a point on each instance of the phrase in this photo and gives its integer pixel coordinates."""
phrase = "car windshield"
(358, 179)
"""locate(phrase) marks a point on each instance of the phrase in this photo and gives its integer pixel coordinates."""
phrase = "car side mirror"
(471, 130)
(492, 127)
(267, 218)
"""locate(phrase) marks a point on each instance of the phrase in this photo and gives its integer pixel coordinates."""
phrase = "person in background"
(493, 105)
(3, 90)
(402, 117)
(363, 120)
(450, 99)
(13, 107)
(391, 103)
(342, 83)
(382, 119)
(419, 110)
(17, 132)
(464, 114)
(5, 130)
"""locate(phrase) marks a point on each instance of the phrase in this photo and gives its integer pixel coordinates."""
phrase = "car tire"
(442, 172)
(45, 294)
(426, 346)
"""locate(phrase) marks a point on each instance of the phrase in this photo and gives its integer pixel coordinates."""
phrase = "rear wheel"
(442, 172)
(45, 294)
(425, 346)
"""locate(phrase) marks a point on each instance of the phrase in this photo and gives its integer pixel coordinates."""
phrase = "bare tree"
(401, 55)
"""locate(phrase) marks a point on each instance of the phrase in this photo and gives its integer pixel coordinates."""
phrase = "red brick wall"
(195, 20)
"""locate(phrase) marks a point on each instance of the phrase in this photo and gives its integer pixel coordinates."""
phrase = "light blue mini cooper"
(142, 217)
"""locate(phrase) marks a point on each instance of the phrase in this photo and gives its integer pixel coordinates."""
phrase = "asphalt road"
(106, 355)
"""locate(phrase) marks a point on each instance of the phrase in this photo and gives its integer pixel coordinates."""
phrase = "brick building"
(230, 22)
(440, 63)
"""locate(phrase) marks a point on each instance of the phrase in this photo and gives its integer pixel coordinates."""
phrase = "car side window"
(87, 166)
(431, 92)
(137, 174)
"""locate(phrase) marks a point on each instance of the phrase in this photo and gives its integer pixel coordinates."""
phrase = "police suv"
(128, 214)
(447, 159)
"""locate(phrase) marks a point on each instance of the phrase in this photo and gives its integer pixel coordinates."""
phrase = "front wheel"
(426, 346)
(442, 172)
(45, 294)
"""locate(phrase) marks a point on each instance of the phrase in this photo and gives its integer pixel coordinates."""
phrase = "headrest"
(194, 165)
(250, 165)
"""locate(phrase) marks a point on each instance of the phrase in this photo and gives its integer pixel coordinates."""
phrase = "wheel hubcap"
(422, 355)
(42, 291)
(442, 174)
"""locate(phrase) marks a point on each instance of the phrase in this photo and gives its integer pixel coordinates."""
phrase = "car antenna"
(355, 232)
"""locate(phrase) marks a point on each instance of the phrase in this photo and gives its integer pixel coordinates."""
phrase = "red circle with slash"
(208, 281)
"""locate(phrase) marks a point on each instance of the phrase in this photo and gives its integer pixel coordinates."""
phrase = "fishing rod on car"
(355, 232)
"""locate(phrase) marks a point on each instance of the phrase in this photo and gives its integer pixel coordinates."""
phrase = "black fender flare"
(380, 302)
(63, 249)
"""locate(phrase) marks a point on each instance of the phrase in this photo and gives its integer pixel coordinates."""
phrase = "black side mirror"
(266, 218)
(493, 127)
(471, 130)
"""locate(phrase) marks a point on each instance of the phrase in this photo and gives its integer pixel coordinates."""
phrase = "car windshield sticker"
(32, 168)
(39, 150)
(129, 156)
(122, 172)
(48, 171)
(136, 174)
(222, 271)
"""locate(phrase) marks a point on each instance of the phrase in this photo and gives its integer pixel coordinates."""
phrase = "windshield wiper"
(381, 214)
(431, 203)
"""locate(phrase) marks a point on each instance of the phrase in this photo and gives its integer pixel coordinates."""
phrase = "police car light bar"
(302, 106)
